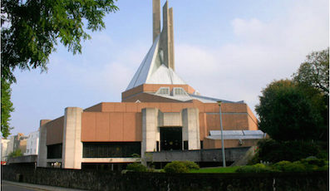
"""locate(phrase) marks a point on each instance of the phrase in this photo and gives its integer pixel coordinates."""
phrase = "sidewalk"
(38, 187)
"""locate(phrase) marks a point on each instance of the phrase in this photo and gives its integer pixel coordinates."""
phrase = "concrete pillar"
(171, 40)
(155, 19)
(150, 132)
(72, 145)
(42, 155)
(190, 127)
(167, 37)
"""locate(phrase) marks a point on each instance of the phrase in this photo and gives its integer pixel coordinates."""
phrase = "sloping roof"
(152, 71)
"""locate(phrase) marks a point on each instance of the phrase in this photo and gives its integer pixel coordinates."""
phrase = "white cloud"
(266, 51)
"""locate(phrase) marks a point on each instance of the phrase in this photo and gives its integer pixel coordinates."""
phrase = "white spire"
(153, 71)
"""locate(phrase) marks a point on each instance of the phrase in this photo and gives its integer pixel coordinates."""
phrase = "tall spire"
(155, 19)
(171, 40)
(158, 65)
(167, 37)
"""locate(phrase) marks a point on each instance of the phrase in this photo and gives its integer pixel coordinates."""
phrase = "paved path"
(16, 186)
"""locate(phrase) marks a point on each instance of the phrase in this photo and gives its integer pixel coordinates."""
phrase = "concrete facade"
(190, 124)
(32, 143)
(72, 145)
(18, 142)
(128, 122)
(42, 155)
(10, 144)
(4, 149)
(149, 129)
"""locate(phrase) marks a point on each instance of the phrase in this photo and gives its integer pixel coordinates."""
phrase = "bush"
(295, 167)
(324, 168)
(287, 166)
(176, 167)
(136, 167)
(314, 161)
(281, 166)
(315, 164)
(308, 164)
(191, 165)
(257, 168)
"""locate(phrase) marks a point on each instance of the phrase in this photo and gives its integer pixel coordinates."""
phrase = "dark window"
(170, 138)
(202, 146)
(54, 151)
(157, 146)
(111, 149)
(185, 145)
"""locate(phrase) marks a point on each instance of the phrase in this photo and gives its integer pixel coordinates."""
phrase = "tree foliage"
(298, 109)
(274, 151)
(288, 111)
(30, 29)
(315, 71)
(6, 108)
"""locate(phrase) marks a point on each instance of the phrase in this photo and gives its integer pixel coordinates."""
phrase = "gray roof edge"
(215, 99)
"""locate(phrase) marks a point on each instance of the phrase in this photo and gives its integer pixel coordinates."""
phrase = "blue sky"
(224, 49)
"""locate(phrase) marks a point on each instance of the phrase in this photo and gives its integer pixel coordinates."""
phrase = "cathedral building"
(159, 112)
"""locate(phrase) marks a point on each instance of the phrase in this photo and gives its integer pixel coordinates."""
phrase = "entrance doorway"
(170, 138)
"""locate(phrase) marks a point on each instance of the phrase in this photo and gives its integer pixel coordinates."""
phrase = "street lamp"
(222, 141)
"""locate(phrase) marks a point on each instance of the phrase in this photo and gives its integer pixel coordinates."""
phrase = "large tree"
(315, 71)
(314, 74)
(6, 108)
(30, 30)
(288, 111)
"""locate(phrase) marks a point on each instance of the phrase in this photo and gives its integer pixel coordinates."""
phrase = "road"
(16, 186)
(5, 186)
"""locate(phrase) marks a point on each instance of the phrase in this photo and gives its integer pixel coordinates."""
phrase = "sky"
(224, 49)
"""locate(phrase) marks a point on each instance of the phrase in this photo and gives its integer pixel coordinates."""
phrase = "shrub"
(314, 161)
(191, 165)
(136, 167)
(295, 167)
(257, 168)
(280, 166)
(309, 164)
(315, 164)
(324, 168)
(176, 167)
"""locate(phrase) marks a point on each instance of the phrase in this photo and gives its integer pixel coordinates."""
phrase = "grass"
(215, 170)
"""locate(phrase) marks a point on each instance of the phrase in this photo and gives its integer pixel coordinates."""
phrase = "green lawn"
(216, 170)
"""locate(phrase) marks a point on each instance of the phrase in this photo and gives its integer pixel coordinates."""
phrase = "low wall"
(98, 180)
(23, 159)
(203, 155)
